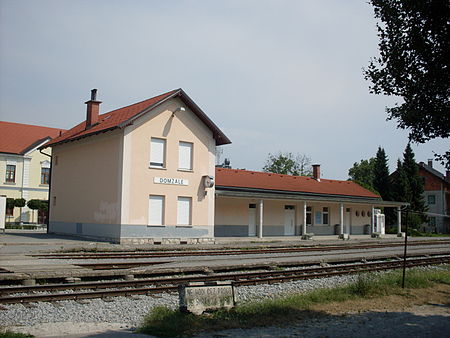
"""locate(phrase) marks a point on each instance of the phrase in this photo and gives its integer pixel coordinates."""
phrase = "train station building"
(145, 173)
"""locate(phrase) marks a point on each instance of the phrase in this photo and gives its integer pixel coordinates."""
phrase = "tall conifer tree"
(400, 185)
(414, 179)
(415, 184)
(381, 175)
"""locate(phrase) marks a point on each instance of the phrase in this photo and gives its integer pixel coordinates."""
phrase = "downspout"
(49, 188)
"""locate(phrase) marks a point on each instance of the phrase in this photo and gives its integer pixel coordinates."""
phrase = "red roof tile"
(120, 117)
(17, 138)
(299, 184)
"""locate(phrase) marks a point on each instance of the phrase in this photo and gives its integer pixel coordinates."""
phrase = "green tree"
(34, 205)
(400, 185)
(413, 65)
(20, 203)
(381, 181)
(415, 184)
(362, 173)
(43, 205)
(288, 164)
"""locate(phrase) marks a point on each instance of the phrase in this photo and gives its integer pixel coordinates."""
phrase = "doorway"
(348, 221)
(252, 220)
(289, 220)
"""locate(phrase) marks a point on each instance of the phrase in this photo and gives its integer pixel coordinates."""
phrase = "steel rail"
(222, 276)
(171, 284)
(117, 265)
(157, 254)
(129, 265)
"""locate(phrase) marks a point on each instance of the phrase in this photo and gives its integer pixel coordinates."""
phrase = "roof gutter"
(299, 193)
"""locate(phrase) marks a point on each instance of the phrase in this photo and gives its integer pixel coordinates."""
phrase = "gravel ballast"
(129, 312)
(132, 310)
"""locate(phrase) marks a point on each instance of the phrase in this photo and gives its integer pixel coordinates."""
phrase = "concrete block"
(376, 235)
(72, 279)
(344, 236)
(401, 234)
(171, 241)
(29, 282)
(199, 297)
(308, 236)
(129, 277)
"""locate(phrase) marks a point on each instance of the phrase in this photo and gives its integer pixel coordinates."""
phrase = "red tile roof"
(298, 184)
(121, 117)
(17, 138)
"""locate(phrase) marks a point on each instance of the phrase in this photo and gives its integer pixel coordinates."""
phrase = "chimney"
(93, 109)
(316, 172)
(430, 163)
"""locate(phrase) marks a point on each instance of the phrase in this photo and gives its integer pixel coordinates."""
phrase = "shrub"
(19, 202)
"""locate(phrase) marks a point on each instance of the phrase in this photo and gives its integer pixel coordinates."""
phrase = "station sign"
(171, 181)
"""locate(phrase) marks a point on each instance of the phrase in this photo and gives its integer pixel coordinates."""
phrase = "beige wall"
(138, 177)
(27, 184)
(86, 180)
(234, 211)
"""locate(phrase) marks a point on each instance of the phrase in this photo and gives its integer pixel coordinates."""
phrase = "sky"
(274, 75)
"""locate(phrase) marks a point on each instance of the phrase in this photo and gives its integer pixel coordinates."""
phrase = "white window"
(325, 216)
(156, 210)
(157, 153)
(185, 156)
(184, 211)
(308, 215)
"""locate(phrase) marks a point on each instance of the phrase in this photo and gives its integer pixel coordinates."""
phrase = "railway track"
(159, 254)
(8, 295)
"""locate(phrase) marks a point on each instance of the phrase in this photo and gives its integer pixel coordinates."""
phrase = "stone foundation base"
(308, 236)
(159, 241)
(344, 236)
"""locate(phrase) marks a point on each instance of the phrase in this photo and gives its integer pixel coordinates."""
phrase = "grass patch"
(165, 322)
(417, 233)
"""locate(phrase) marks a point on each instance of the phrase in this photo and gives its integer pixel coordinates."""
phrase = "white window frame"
(155, 158)
(181, 203)
(185, 149)
(12, 169)
(151, 220)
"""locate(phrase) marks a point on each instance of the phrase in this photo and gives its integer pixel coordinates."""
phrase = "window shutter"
(185, 156)
(184, 211)
(157, 152)
(155, 210)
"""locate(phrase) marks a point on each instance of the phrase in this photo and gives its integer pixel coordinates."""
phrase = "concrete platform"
(16, 247)
(32, 241)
